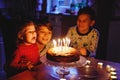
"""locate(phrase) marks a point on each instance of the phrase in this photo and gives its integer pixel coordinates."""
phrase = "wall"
(113, 47)
(2, 58)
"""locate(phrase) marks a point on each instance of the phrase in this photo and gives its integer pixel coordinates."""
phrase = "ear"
(20, 36)
(92, 23)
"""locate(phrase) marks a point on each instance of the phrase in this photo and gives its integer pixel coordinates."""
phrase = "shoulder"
(72, 31)
(20, 46)
(26, 47)
(49, 44)
(94, 30)
(73, 28)
(35, 45)
(19, 49)
(94, 33)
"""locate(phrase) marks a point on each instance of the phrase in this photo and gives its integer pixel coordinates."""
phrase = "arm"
(15, 60)
(94, 43)
(90, 49)
(19, 61)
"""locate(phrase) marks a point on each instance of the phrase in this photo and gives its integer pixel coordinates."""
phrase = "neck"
(27, 43)
(84, 32)
(40, 46)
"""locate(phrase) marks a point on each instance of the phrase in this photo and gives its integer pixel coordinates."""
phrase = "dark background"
(107, 22)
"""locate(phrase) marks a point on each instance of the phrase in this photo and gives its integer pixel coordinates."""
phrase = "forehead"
(84, 16)
(43, 28)
(30, 27)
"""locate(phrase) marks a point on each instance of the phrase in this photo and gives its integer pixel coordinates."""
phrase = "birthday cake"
(66, 54)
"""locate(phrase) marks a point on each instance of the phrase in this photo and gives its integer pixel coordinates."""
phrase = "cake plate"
(62, 67)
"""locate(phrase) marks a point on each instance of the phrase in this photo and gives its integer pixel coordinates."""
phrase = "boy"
(83, 36)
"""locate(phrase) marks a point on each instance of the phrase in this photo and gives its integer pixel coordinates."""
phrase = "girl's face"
(84, 23)
(44, 35)
(30, 35)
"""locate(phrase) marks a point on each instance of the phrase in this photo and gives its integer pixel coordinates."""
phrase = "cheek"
(50, 35)
(27, 38)
(40, 35)
(77, 22)
(39, 38)
(35, 34)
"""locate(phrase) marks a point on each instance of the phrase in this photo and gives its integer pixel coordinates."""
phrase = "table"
(47, 72)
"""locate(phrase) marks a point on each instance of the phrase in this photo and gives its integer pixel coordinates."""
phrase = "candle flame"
(54, 43)
(61, 44)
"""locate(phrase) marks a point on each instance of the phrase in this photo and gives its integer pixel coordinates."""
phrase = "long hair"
(21, 30)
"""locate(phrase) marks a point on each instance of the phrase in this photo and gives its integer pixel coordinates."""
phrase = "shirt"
(88, 40)
(45, 49)
(25, 53)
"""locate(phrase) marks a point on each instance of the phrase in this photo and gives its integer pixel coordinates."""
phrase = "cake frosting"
(63, 54)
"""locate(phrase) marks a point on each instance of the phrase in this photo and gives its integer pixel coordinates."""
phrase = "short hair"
(87, 10)
(46, 24)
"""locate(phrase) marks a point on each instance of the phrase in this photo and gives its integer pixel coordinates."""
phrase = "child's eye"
(31, 32)
(42, 32)
(50, 33)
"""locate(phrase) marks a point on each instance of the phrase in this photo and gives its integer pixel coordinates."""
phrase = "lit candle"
(64, 42)
(113, 73)
(58, 45)
(61, 45)
(113, 77)
(112, 69)
(100, 65)
(68, 41)
(58, 42)
(88, 62)
(87, 66)
(54, 43)
(62, 79)
(108, 68)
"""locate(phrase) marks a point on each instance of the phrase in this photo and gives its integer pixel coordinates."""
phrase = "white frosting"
(63, 51)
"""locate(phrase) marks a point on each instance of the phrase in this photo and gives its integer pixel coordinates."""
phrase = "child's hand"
(83, 51)
(30, 65)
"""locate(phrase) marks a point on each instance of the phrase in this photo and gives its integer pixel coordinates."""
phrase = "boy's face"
(84, 23)
(43, 35)
(30, 35)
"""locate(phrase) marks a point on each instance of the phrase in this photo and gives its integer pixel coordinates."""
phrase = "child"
(26, 55)
(83, 36)
(44, 35)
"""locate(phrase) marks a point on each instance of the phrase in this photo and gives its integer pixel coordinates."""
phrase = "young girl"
(26, 55)
(44, 35)
(83, 36)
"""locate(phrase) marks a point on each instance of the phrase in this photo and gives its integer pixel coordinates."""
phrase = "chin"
(45, 43)
(33, 42)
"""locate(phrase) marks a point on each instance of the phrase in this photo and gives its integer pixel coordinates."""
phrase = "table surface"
(48, 72)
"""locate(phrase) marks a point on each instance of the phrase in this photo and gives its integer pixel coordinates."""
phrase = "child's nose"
(33, 32)
(46, 34)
